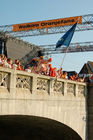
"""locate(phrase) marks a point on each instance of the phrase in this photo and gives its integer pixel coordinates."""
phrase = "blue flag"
(66, 38)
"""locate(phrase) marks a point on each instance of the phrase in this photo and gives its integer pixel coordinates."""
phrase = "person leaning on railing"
(40, 66)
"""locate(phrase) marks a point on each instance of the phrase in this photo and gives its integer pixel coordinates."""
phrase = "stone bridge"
(55, 100)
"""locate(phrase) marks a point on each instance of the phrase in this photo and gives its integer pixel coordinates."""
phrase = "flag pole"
(64, 58)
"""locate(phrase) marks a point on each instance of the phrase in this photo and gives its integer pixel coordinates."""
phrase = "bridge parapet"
(14, 81)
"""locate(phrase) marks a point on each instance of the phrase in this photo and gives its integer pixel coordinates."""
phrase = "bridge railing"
(15, 82)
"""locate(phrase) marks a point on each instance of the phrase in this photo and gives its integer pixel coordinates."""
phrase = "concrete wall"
(90, 111)
(19, 49)
(23, 93)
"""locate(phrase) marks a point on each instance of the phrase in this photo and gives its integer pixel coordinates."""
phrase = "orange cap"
(50, 59)
(42, 57)
(50, 65)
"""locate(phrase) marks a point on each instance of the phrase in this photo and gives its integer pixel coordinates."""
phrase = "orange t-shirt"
(53, 73)
(50, 71)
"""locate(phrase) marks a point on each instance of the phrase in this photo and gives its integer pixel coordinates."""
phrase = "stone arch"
(27, 127)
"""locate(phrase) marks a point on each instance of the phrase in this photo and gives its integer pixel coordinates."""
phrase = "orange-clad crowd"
(38, 65)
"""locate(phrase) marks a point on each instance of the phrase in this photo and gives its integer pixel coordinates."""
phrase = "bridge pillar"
(90, 111)
(12, 86)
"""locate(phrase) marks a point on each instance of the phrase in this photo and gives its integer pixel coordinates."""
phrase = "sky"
(24, 11)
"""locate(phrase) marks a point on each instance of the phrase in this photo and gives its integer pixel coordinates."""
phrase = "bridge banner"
(47, 24)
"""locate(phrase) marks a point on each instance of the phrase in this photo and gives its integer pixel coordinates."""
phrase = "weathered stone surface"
(90, 111)
(31, 94)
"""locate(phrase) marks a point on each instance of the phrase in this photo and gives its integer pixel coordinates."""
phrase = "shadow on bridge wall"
(21, 127)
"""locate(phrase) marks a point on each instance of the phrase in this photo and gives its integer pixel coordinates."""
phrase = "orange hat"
(50, 59)
(50, 65)
(42, 57)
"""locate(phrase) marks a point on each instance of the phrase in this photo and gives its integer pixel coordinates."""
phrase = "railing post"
(76, 90)
(65, 88)
(34, 84)
(13, 82)
(51, 86)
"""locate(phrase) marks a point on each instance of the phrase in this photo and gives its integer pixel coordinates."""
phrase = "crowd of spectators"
(38, 65)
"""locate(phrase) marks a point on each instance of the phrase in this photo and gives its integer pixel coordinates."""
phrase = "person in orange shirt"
(19, 66)
(50, 69)
(54, 72)
(64, 75)
(43, 65)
